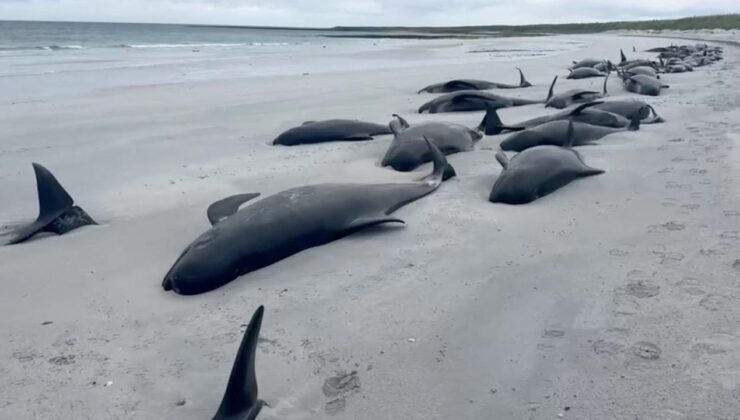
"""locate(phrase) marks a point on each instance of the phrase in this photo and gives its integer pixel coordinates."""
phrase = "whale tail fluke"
(634, 121)
(398, 124)
(240, 398)
(656, 118)
(491, 123)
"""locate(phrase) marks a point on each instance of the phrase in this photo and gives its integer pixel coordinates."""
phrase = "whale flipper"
(364, 222)
(502, 159)
(222, 209)
(57, 212)
(240, 399)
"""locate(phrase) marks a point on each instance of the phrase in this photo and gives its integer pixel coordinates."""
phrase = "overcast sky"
(322, 13)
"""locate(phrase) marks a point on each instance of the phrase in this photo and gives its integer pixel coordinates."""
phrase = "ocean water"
(42, 59)
(30, 36)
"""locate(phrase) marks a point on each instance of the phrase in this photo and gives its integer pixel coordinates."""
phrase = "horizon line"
(372, 27)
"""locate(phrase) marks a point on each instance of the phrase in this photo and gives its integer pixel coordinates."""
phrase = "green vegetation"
(731, 21)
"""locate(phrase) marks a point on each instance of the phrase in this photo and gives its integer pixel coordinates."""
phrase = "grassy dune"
(731, 21)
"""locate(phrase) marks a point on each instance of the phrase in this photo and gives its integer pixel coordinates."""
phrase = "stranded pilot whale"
(536, 172)
(584, 113)
(409, 150)
(572, 96)
(330, 130)
(286, 223)
(472, 100)
(474, 84)
(57, 212)
(557, 133)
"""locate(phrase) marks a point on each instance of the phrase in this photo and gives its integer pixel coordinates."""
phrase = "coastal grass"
(728, 21)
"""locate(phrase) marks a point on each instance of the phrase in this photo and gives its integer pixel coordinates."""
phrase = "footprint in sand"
(641, 289)
(62, 360)
(729, 235)
(337, 388)
(690, 287)
(713, 302)
(608, 348)
(646, 350)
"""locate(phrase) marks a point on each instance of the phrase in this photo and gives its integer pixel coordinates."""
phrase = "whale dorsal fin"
(240, 398)
(523, 82)
(308, 122)
(226, 207)
(54, 200)
(552, 88)
(621, 53)
(502, 159)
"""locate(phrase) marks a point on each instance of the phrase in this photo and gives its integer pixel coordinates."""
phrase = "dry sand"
(616, 297)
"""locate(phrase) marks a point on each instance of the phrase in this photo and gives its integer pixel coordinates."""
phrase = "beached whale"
(409, 150)
(537, 172)
(330, 130)
(646, 70)
(474, 84)
(586, 62)
(572, 96)
(627, 108)
(556, 133)
(586, 72)
(57, 211)
(240, 400)
(644, 85)
(492, 124)
(626, 64)
(288, 222)
(472, 100)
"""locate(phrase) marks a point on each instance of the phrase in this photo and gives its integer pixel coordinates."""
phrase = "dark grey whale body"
(288, 222)
(586, 62)
(585, 72)
(537, 172)
(644, 85)
(330, 130)
(555, 133)
(57, 211)
(572, 96)
(409, 150)
(474, 84)
(627, 108)
(472, 100)
(493, 125)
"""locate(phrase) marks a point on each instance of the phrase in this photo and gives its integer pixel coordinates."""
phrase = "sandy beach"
(617, 297)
